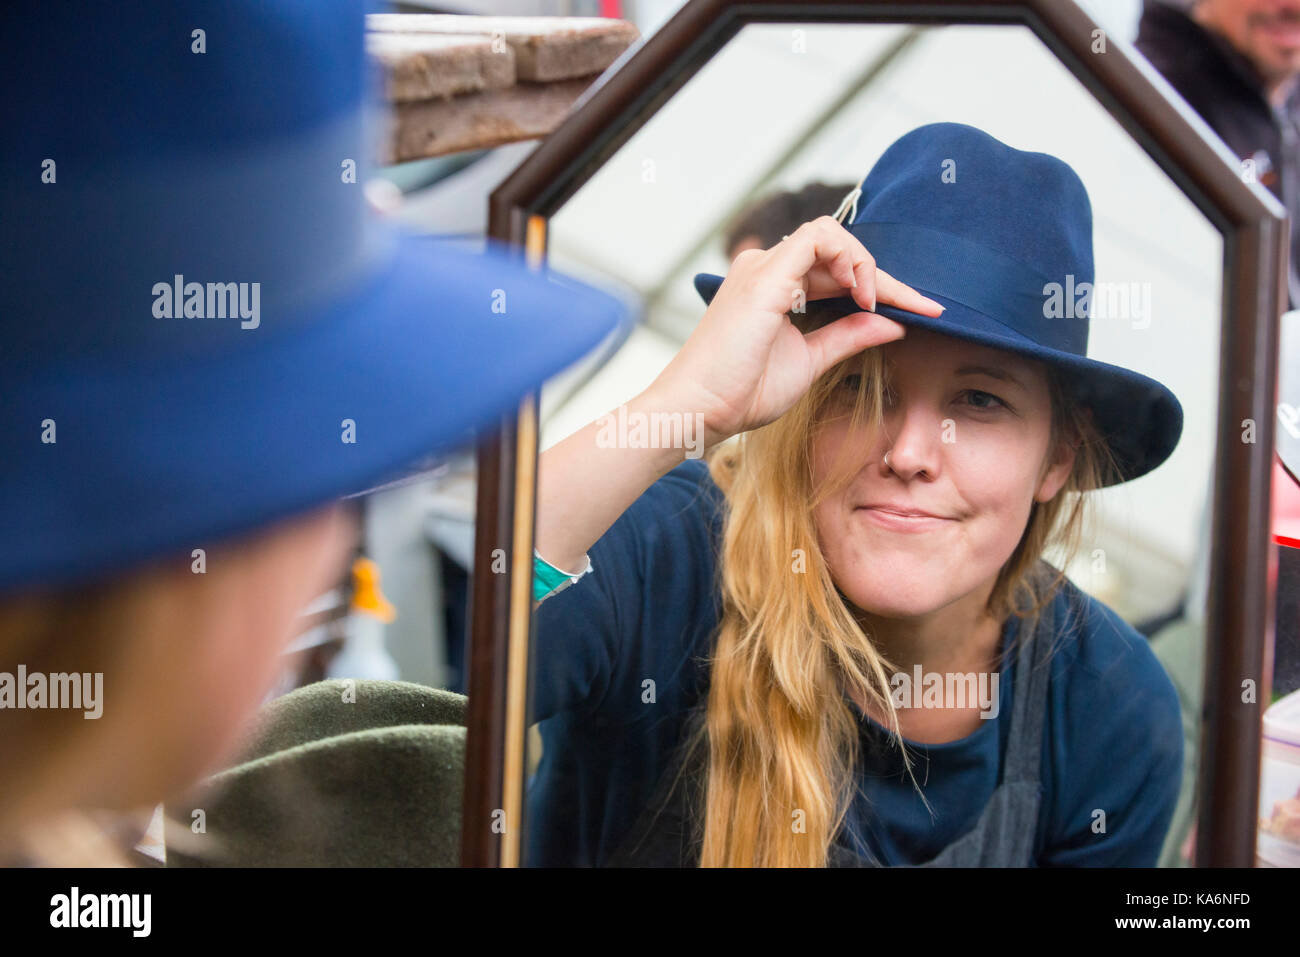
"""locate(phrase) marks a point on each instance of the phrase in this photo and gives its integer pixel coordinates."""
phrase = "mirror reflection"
(881, 541)
(372, 689)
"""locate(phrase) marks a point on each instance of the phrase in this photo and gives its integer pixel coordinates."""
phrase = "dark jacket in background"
(1224, 88)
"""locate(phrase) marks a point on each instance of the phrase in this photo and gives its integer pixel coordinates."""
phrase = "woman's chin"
(903, 601)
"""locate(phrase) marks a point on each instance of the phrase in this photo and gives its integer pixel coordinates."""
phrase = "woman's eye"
(853, 383)
(983, 400)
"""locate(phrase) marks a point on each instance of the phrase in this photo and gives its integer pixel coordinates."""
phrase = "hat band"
(980, 278)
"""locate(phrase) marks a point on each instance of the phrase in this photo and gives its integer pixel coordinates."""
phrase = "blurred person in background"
(1236, 62)
(762, 224)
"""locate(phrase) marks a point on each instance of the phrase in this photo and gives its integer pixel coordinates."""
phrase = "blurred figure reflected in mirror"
(1236, 63)
(762, 224)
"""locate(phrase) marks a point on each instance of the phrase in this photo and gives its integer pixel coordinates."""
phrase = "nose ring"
(887, 465)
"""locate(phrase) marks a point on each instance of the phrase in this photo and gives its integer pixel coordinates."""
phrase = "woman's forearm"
(585, 482)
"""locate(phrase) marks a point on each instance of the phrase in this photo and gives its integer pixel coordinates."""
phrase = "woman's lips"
(898, 522)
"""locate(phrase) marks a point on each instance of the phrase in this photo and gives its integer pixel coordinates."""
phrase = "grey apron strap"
(1033, 670)
(1005, 833)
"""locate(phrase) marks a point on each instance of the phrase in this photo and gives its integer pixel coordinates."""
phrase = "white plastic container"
(365, 654)
(1279, 786)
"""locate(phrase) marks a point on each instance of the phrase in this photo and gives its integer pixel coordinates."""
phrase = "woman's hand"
(746, 363)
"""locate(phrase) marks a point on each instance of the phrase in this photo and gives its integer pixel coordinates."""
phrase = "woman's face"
(187, 662)
(203, 654)
(967, 430)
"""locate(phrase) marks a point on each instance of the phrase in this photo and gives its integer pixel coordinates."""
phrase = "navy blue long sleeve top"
(616, 671)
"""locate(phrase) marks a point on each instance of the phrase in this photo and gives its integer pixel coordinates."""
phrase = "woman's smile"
(899, 522)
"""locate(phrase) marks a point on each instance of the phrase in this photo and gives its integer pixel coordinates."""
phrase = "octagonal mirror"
(771, 603)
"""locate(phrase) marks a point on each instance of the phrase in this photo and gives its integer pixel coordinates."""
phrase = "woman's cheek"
(1000, 508)
(842, 549)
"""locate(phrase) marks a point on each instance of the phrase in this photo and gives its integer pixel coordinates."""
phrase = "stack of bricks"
(467, 82)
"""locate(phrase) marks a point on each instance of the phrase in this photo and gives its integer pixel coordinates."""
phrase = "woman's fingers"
(827, 259)
(847, 336)
(832, 259)
(903, 296)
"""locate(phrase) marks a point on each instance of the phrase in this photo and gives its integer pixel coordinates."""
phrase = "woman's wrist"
(586, 566)
(676, 423)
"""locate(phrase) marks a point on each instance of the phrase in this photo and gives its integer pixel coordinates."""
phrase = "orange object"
(367, 597)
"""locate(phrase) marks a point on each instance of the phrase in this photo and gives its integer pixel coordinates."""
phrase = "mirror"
(625, 665)
(374, 678)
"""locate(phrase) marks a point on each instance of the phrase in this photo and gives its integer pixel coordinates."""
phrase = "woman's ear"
(1056, 470)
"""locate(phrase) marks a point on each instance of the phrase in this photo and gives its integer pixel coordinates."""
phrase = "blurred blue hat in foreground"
(204, 327)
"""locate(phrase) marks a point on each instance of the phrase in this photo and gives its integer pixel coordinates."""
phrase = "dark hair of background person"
(780, 214)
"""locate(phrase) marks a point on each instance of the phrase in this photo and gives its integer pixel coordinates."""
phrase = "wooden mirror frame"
(1239, 615)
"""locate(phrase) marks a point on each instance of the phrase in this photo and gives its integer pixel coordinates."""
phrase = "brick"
(430, 66)
(479, 120)
(545, 48)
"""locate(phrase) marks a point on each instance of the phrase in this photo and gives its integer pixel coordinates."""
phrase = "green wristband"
(547, 579)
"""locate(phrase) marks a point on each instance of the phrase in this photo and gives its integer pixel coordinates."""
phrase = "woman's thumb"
(847, 336)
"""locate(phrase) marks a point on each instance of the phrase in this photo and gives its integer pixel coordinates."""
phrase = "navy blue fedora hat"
(204, 327)
(1002, 239)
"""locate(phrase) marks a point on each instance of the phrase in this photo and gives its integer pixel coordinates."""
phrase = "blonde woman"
(173, 475)
(738, 668)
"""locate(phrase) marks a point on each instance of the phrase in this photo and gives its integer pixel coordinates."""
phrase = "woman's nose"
(914, 440)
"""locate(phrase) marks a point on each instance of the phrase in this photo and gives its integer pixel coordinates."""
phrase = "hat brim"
(154, 454)
(1140, 418)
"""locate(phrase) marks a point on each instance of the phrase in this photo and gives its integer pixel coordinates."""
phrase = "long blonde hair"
(781, 739)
